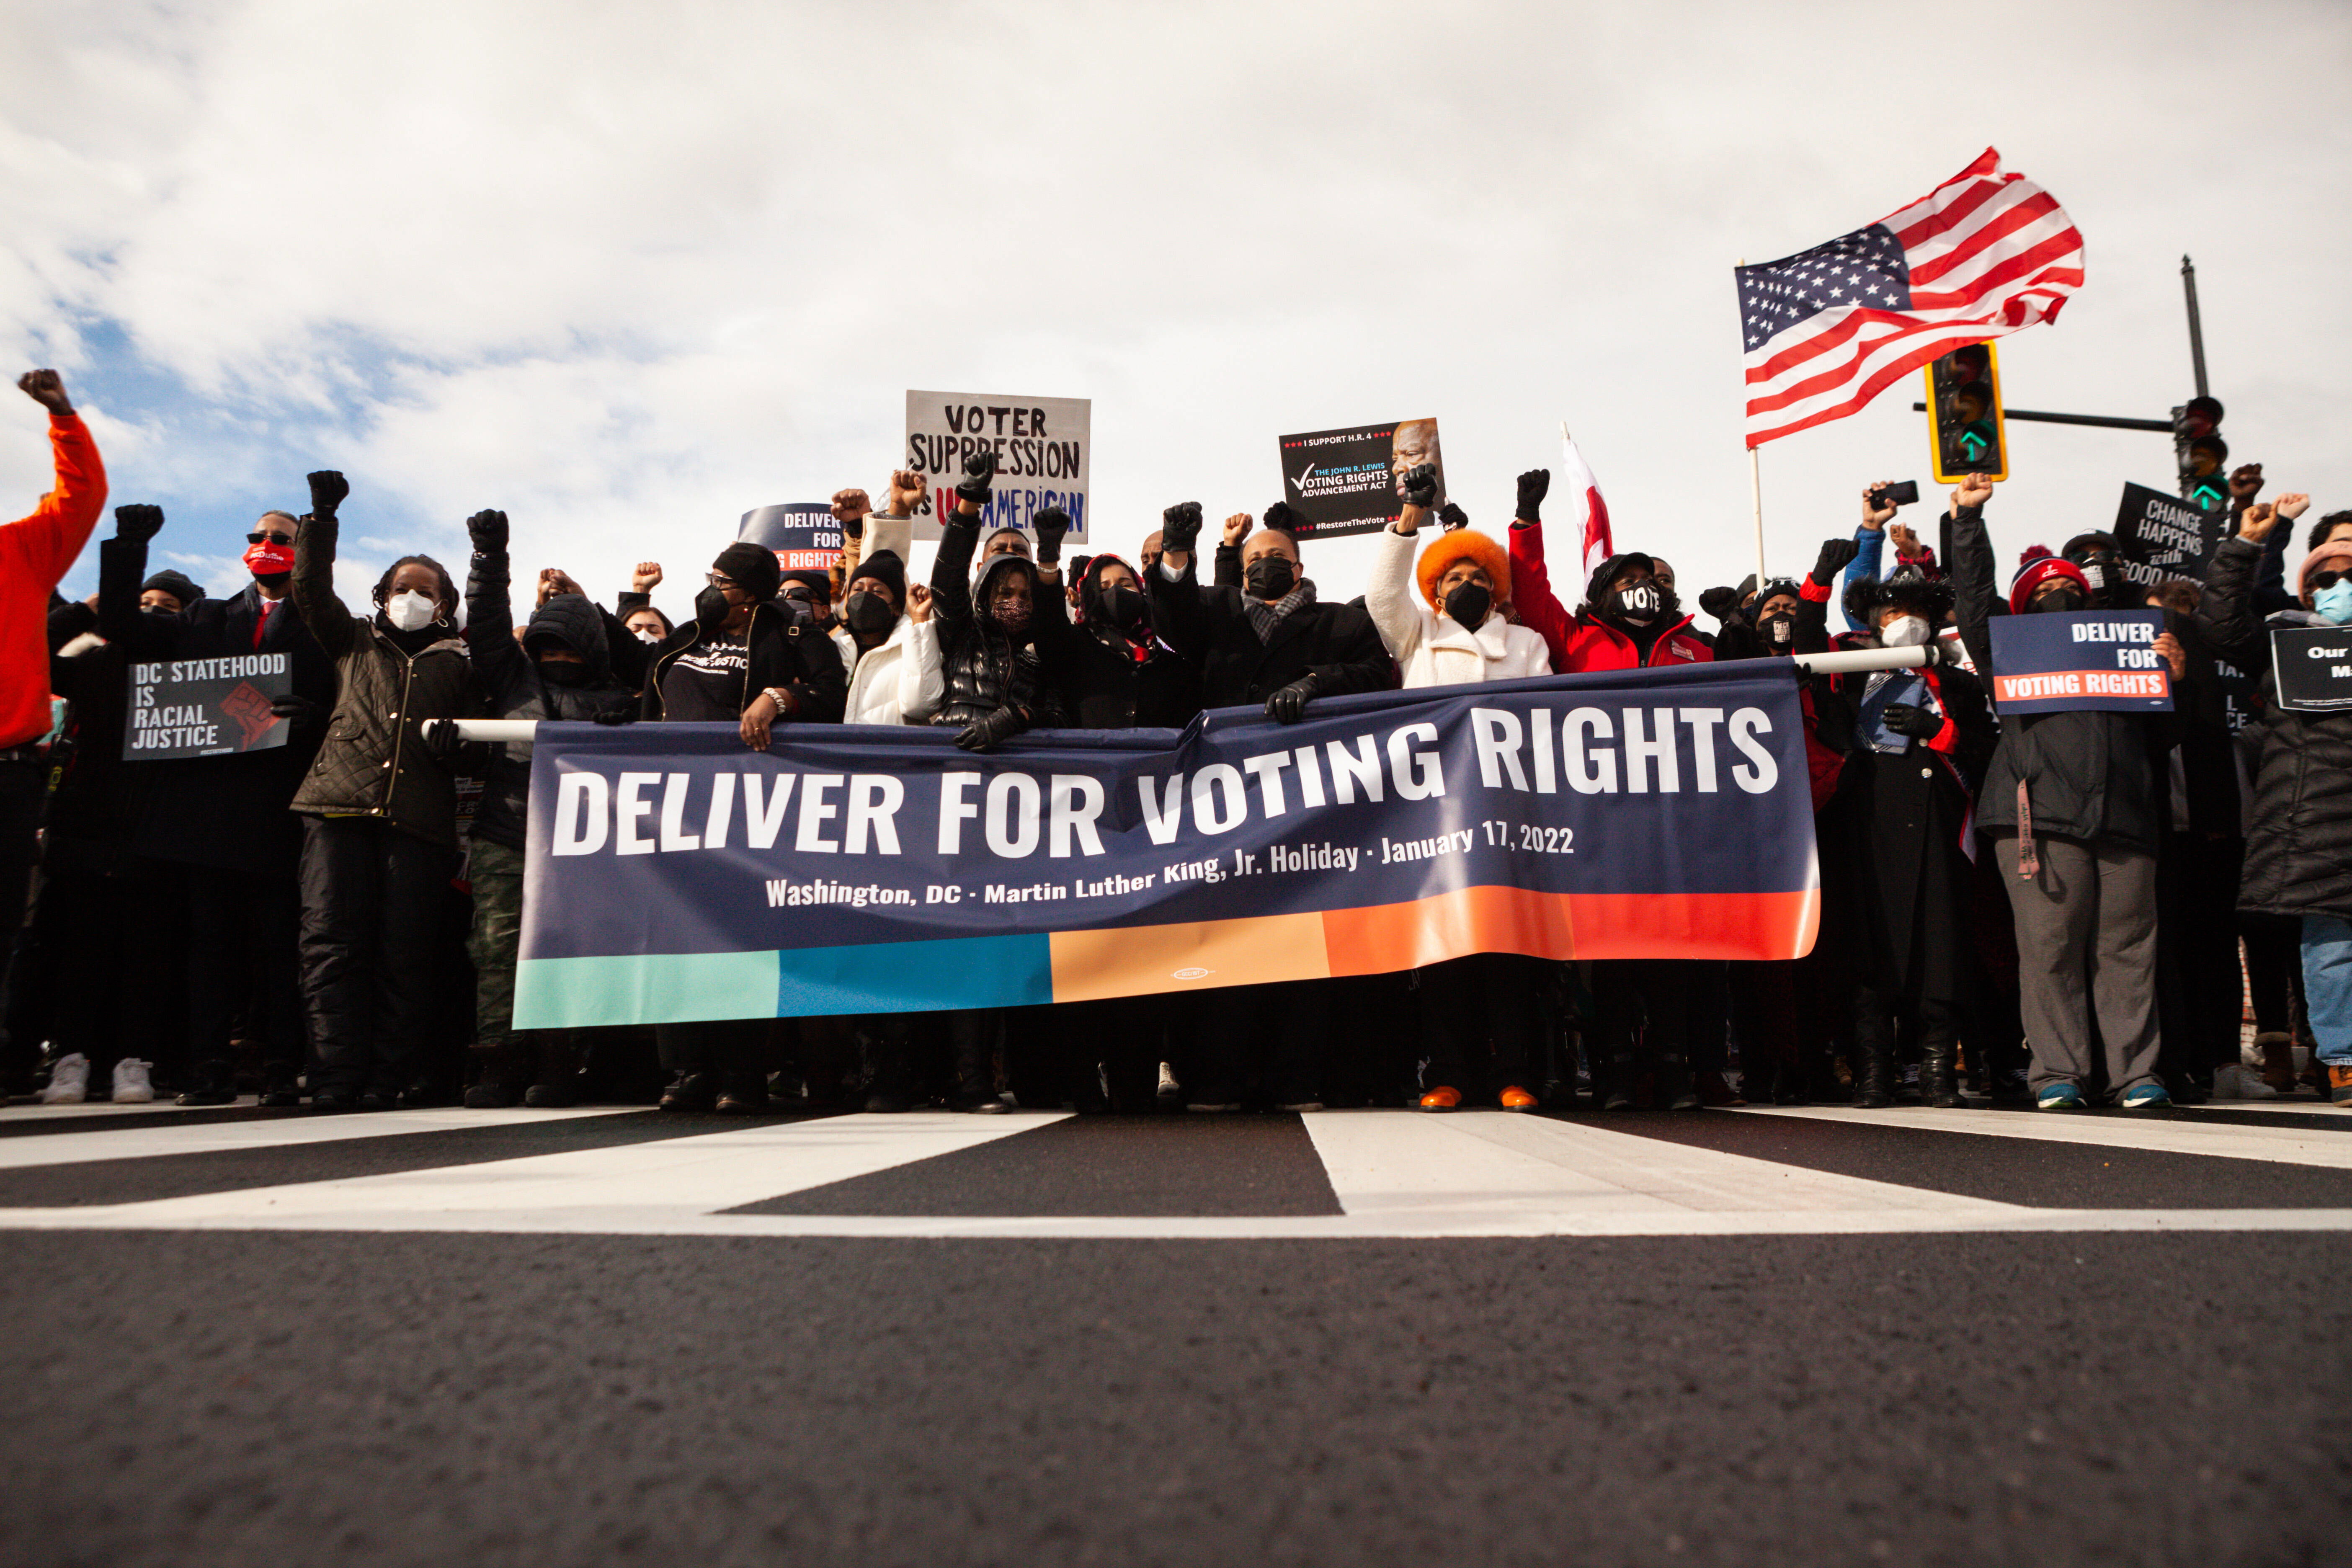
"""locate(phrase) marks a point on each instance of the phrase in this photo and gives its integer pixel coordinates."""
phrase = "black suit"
(1336, 643)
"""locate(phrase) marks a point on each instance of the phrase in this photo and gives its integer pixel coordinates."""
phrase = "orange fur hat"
(1463, 544)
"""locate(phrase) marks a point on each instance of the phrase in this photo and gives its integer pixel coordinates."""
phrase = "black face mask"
(563, 672)
(1271, 577)
(1637, 603)
(1468, 604)
(711, 608)
(1123, 607)
(2058, 601)
(1778, 630)
(1012, 618)
(157, 610)
(867, 611)
(2103, 570)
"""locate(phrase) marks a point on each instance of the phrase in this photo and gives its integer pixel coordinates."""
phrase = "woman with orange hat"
(1442, 619)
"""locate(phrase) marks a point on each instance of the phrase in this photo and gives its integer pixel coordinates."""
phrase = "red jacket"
(34, 553)
(1579, 643)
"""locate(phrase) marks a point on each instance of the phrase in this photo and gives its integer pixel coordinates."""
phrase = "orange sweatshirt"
(34, 553)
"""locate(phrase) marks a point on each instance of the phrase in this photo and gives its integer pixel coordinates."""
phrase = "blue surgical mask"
(2333, 602)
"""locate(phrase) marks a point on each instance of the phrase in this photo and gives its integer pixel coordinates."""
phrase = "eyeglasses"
(2326, 579)
(269, 539)
(721, 580)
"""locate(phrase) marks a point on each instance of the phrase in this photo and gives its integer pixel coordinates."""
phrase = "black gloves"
(327, 489)
(1452, 517)
(1534, 485)
(298, 711)
(1052, 524)
(992, 730)
(1288, 706)
(1179, 527)
(979, 469)
(1910, 718)
(488, 531)
(1721, 603)
(1836, 555)
(138, 523)
(1420, 485)
(622, 711)
(1284, 516)
(441, 739)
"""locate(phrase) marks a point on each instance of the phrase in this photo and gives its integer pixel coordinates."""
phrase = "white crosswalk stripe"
(1393, 1175)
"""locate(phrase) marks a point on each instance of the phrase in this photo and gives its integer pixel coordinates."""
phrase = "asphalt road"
(390, 1393)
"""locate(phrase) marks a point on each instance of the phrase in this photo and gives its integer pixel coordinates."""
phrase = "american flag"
(1826, 330)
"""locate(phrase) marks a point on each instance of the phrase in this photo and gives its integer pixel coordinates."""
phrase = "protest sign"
(2162, 536)
(804, 535)
(2088, 661)
(1043, 447)
(205, 707)
(1344, 481)
(672, 874)
(2312, 667)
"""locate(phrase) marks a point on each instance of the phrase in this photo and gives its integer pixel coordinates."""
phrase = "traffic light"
(2196, 444)
(1964, 424)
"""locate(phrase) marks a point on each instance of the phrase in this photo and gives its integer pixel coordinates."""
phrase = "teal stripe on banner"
(644, 988)
(683, 988)
(916, 976)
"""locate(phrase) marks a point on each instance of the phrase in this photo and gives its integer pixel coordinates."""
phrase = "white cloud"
(626, 271)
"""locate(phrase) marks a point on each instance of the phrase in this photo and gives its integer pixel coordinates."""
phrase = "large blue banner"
(673, 874)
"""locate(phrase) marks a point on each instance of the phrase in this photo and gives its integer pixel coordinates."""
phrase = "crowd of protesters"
(2060, 910)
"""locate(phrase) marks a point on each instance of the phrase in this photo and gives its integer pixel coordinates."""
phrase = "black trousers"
(114, 944)
(1478, 1015)
(1260, 1042)
(24, 796)
(243, 937)
(373, 901)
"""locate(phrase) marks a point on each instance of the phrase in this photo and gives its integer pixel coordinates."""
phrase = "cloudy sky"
(627, 270)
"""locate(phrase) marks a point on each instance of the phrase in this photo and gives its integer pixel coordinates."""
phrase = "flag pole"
(1756, 505)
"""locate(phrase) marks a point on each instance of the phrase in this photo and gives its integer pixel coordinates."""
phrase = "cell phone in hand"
(1904, 494)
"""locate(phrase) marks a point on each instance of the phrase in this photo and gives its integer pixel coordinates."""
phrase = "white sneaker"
(68, 1080)
(2232, 1080)
(131, 1085)
(1170, 1090)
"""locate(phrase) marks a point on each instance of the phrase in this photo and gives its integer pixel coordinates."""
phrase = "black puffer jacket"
(2299, 846)
(373, 760)
(228, 812)
(2090, 776)
(984, 669)
(511, 682)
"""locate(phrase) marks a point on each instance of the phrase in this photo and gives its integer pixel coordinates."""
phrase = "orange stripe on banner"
(1571, 925)
(1135, 961)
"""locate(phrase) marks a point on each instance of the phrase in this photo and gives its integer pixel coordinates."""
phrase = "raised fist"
(1836, 555)
(1452, 517)
(488, 529)
(1179, 527)
(138, 523)
(978, 472)
(1534, 485)
(1053, 524)
(1420, 486)
(47, 388)
(327, 489)
(1281, 515)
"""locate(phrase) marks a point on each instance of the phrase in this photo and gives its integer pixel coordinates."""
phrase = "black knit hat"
(175, 583)
(885, 567)
(753, 567)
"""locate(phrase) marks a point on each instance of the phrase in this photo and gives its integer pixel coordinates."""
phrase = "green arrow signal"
(1974, 443)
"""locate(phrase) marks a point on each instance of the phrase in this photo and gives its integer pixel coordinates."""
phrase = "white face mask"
(411, 611)
(1904, 631)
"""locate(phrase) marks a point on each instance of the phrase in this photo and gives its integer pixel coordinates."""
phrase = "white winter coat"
(1434, 649)
(900, 681)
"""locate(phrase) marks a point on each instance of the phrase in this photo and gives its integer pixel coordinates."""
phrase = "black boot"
(558, 1084)
(209, 1083)
(1676, 1088)
(1938, 1081)
(975, 1089)
(1873, 1058)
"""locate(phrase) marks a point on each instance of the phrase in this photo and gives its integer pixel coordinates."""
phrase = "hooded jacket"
(2089, 776)
(982, 667)
(228, 812)
(1584, 641)
(1433, 648)
(2299, 839)
(373, 762)
(513, 689)
(1106, 680)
